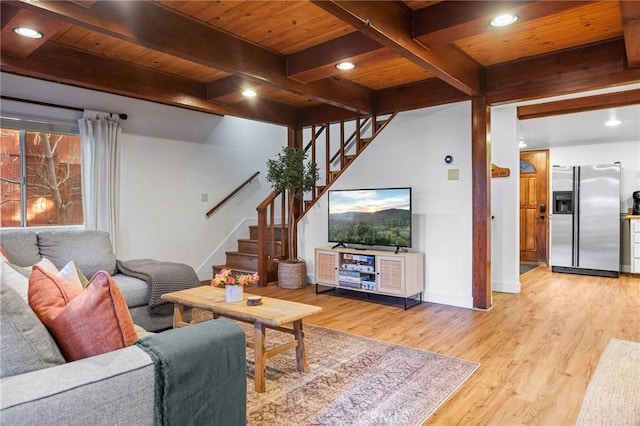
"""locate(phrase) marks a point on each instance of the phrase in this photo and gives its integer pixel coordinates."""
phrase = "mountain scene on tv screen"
(391, 227)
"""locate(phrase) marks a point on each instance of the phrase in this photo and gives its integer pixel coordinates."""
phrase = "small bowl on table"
(254, 300)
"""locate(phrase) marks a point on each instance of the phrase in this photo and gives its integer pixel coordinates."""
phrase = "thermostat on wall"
(448, 159)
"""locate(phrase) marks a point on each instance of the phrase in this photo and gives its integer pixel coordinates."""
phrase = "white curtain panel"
(99, 133)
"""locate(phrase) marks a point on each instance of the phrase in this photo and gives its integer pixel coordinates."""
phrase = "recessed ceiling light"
(28, 32)
(345, 66)
(612, 122)
(521, 144)
(503, 20)
(249, 93)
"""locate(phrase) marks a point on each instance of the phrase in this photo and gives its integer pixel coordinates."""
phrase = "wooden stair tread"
(249, 240)
(241, 253)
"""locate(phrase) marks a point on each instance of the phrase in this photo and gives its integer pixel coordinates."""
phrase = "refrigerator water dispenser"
(562, 202)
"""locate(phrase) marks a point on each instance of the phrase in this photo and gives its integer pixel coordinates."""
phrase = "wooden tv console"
(372, 271)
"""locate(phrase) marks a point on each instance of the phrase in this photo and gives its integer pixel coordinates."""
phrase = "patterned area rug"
(351, 380)
(613, 395)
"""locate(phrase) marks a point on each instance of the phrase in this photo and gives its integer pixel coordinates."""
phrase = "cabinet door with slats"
(326, 267)
(390, 272)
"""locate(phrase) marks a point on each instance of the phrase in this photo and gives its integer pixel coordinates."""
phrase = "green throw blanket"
(200, 374)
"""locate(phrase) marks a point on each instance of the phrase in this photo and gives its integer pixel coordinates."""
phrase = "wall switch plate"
(453, 174)
(204, 197)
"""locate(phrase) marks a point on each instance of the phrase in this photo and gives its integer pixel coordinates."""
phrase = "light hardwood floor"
(538, 349)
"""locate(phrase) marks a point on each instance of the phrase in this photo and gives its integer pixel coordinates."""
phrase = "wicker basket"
(292, 275)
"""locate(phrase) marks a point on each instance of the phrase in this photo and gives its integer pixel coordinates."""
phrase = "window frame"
(24, 123)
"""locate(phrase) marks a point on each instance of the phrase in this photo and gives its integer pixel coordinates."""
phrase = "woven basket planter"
(292, 275)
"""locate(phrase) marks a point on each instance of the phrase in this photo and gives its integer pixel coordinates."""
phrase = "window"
(526, 167)
(40, 173)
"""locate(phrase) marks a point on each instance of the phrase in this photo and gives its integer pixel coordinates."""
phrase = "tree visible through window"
(40, 178)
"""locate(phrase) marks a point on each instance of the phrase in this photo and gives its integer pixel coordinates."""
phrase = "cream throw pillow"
(17, 277)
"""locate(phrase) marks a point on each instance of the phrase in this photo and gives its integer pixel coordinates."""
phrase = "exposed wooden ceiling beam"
(321, 114)
(319, 61)
(94, 72)
(600, 65)
(630, 13)
(224, 87)
(230, 90)
(7, 13)
(428, 93)
(588, 103)
(449, 21)
(187, 39)
(389, 23)
(425, 94)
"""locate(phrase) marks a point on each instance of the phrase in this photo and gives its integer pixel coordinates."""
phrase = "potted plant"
(291, 173)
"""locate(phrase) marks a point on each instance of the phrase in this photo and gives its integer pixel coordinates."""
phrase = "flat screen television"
(380, 217)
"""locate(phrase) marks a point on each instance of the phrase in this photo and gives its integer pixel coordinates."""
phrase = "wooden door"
(534, 206)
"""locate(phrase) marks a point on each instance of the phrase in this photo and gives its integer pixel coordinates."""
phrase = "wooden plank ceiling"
(201, 54)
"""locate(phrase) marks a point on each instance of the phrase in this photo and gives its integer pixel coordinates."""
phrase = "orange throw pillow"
(83, 322)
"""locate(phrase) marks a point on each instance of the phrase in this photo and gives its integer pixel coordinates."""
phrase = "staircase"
(267, 241)
(245, 259)
(366, 129)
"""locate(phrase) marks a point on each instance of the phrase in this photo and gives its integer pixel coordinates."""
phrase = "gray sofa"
(91, 251)
(192, 375)
(206, 363)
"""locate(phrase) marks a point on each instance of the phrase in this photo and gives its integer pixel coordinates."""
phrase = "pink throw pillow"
(83, 322)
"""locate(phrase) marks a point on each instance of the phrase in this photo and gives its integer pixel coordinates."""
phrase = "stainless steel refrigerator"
(585, 220)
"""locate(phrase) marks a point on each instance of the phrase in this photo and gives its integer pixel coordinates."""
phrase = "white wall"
(505, 201)
(162, 215)
(410, 152)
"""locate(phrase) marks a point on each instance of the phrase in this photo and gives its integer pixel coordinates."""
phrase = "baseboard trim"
(449, 299)
(506, 286)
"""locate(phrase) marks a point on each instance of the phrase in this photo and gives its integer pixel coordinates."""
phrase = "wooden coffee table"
(272, 313)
